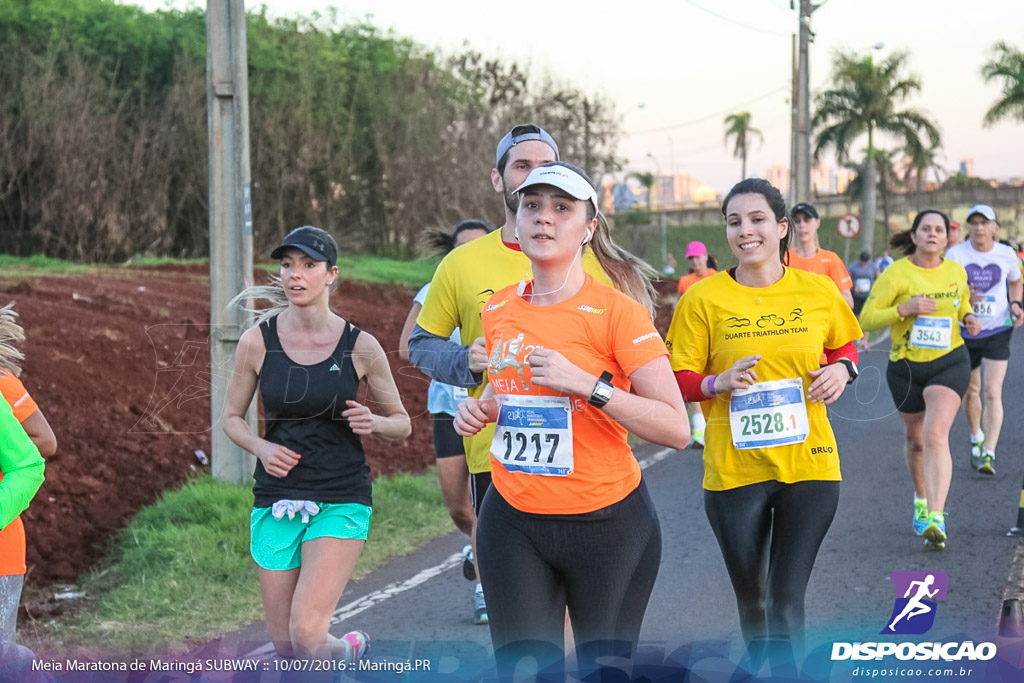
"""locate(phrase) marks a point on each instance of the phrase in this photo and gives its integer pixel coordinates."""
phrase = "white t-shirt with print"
(987, 273)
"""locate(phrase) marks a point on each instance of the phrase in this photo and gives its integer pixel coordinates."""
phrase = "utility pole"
(794, 113)
(802, 142)
(586, 138)
(227, 103)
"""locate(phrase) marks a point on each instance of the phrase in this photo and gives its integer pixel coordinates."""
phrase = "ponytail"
(11, 334)
(630, 274)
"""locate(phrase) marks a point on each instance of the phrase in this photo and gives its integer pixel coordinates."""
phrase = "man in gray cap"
(993, 274)
(462, 284)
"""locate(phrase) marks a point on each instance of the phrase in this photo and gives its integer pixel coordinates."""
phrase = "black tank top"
(302, 405)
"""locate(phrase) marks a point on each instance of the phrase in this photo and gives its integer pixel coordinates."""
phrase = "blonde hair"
(273, 293)
(629, 273)
(11, 333)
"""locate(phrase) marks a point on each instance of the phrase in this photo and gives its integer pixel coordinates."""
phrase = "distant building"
(778, 175)
(681, 188)
(823, 179)
(967, 167)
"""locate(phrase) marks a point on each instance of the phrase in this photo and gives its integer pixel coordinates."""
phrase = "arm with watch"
(652, 410)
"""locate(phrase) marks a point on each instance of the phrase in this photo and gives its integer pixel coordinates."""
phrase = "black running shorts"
(908, 380)
(993, 347)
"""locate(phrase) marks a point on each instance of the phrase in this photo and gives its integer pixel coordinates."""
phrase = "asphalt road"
(692, 610)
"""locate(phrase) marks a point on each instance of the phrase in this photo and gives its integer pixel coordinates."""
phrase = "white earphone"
(515, 232)
(590, 233)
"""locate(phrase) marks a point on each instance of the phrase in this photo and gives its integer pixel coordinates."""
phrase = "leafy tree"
(737, 126)
(1008, 65)
(922, 158)
(865, 98)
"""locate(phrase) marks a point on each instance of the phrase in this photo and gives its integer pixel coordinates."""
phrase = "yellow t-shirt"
(465, 279)
(901, 282)
(789, 324)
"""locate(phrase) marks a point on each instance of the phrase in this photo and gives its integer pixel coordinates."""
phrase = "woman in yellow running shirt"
(923, 297)
(746, 343)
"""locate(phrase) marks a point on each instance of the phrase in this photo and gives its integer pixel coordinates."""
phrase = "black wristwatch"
(851, 367)
(603, 390)
(1019, 303)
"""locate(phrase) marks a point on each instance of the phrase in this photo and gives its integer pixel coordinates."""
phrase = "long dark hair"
(775, 202)
(903, 240)
(439, 241)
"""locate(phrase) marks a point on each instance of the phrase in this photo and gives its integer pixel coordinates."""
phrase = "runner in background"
(463, 282)
(863, 273)
(807, 255)
(954, 235)
(25, 435)
(573, 365)
(442, 402)
(747, 344)
(994, 277)
(883, 261)
(921, 297)
(700, 268)
(313, 497)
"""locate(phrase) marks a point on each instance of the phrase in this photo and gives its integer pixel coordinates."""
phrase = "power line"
(736, 23)
(708, 117)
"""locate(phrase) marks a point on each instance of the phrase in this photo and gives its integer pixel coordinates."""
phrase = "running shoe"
(986, 463)
(468, 568)
(920, 516)
(479, 608)
(977, 455)
(698, 439)
(935, 533)
(358, 645)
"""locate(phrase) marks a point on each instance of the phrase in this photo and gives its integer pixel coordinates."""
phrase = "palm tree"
(922, 158)
(1008, 64)
(883, 163)
(738, 126)
(864, 99)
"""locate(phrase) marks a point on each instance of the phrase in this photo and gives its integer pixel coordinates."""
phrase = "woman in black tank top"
(312, 491)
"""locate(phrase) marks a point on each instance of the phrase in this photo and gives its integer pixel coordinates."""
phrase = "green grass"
(10, 265)
(181, 573)
(378, 269)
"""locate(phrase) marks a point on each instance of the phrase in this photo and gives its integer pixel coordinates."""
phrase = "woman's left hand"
(972, 324)
(359, 417)
(828, 383)
(549, 368)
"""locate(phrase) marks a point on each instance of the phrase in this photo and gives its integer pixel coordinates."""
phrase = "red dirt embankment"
(119, 364)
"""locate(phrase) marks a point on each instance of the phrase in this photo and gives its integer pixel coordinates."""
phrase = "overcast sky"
(692, 62)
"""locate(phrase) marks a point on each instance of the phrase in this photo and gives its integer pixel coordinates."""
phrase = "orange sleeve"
(839, 274)
(14, 392)
(635, 340)
(682, 285)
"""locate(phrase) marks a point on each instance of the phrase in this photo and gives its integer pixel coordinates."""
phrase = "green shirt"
(21, 465)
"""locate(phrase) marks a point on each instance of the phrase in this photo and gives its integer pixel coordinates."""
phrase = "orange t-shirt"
(598, 329)
(689, 280)
(12, 536)
(824, 262)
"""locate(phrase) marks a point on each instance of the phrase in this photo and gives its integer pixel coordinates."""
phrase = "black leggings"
(770, 582)
(601, 565)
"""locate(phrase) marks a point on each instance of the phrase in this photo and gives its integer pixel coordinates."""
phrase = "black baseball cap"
(804, 208)
(314, 242)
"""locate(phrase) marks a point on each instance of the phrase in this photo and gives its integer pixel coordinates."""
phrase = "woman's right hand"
(919, 305)
(277, 460)
(474, 414)
(740, 376)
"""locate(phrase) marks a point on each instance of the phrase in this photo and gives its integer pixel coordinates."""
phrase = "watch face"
(604, 391)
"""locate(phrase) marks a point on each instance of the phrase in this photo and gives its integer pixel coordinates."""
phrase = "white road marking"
(346, 612)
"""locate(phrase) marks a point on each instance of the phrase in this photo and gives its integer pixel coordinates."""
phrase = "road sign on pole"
(848, 226)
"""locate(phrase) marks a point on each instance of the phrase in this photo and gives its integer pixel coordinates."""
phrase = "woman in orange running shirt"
(573, 365)
(807, 255)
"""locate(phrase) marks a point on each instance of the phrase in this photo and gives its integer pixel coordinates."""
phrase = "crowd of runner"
(539, 339)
